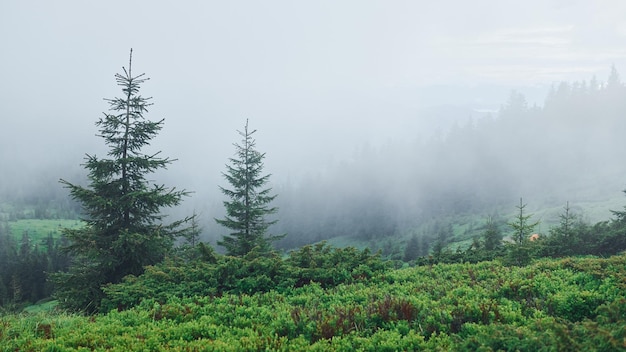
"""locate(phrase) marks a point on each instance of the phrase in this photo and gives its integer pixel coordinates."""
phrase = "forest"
(110, 271)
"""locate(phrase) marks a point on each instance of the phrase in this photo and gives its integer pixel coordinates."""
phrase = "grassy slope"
(39, 229)
(466, 227)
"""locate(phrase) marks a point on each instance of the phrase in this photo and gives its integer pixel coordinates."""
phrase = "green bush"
(253, 273)
(571, 304)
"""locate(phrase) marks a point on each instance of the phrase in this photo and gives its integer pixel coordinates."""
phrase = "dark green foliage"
(614, 240)
(443, 235)
(412, 249)
(492, 235)
(576, 237)
(330, 266)
(24, 265)
(253, 273)
(571, 237)
(391, 249)
(520, 251)
(248, 207)
(124, 229)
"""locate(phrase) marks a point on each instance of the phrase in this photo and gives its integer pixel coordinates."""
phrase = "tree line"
(553, 153)
(571, 237)
(25, 263)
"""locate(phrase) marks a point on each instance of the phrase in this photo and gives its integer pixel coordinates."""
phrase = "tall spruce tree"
(124, 228)
(248, 207)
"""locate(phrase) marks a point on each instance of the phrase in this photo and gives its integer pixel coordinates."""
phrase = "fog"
(341, 93)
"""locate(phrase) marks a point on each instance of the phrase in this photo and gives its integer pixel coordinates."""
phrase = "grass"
(39, 229)
(47, 306)
(466, 227)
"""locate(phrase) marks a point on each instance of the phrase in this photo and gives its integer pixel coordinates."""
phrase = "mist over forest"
(321, 175)
(478, 163)
(566, 150)
(379, 121)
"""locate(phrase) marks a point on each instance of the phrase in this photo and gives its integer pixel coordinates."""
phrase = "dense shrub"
(571, 304)
(253, 273)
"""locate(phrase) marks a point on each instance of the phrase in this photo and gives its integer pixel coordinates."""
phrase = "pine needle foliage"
(249, 202)
(124, 227)
(520, 253)
(521, 227)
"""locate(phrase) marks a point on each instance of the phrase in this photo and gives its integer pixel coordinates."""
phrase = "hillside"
(567, 150)
(571, 304)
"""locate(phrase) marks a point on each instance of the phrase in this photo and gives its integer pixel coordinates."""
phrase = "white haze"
(319, 80)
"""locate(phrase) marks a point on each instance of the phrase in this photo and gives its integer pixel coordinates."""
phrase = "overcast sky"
(311, 76)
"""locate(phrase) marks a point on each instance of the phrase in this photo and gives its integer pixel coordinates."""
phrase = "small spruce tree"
(248, 204)
(520, 253)
(492, 235)
(565, 239)
(521, 226)
(193, 232)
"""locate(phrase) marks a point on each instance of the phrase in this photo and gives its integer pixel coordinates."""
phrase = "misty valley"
(504, 231)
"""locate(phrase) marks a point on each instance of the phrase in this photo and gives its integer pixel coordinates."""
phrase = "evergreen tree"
(520, 253)
(569, 237)
(613, 237)
(444, 233)
(124, 228)
(492, 235)
(521, 227)
(412, 249)
(25, 269)
(566, 223)
(248, 207)
(192, 234)
(614, 79)
(8, 262)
